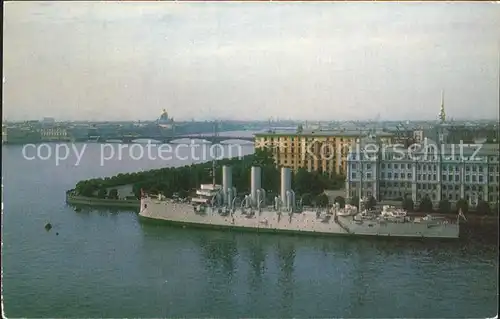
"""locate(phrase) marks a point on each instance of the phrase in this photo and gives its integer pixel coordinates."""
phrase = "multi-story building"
(472, 133)
(439, 171)
(20, 135)
(54, 133)
(321, 151)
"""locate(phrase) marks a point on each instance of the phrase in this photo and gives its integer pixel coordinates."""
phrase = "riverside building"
(323, 151)
(439, 171)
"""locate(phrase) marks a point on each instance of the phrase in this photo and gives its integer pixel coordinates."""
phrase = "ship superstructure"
(218, 206)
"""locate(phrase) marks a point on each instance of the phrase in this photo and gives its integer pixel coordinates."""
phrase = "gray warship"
(217, 206)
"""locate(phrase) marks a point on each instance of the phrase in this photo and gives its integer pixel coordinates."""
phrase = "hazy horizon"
(250, 61)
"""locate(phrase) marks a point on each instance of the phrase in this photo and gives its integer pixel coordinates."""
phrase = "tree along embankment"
(183, 181)
(72, 198)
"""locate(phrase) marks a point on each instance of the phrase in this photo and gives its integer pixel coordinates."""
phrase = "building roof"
(371, 146)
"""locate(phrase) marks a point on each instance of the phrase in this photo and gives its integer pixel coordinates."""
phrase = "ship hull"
(407, 229)
(304, 223)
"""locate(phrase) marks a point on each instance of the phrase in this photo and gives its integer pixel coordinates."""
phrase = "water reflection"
(348, 276)
(218, 251)
(257, 259)
(286, 258)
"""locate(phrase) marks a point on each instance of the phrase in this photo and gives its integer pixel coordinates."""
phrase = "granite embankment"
(102, 202)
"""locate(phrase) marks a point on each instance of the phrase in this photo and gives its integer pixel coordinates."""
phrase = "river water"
(108, 264)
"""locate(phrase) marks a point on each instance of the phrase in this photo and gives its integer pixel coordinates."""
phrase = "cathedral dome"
(164, 121)
(164, 115)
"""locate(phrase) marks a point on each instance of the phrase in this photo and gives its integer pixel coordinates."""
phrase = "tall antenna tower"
(216, 134)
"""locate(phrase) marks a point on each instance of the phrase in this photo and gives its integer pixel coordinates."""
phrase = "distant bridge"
(175, 139)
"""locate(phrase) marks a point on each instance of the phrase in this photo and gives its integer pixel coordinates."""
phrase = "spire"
(442, 114)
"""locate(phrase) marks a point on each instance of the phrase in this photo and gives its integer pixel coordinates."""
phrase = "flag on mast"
(461, 214)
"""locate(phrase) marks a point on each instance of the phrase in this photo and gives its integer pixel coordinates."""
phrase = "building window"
(396, 175)
(369, 175)
(480, 177)
(409, 176)
(396, 166)
(457, 178)
(389, 175)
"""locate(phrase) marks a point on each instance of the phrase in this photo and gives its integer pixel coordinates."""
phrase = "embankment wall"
(82, 200)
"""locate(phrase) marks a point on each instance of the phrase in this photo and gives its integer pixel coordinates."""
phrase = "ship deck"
(305, 222)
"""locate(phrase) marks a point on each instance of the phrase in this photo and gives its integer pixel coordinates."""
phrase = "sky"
(250, 61)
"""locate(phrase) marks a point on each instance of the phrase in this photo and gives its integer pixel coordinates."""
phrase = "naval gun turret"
(287, 194)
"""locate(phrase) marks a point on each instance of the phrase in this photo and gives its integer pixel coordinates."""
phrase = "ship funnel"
(290, 200)
(227, 184)
(255, 184)
(286, 182)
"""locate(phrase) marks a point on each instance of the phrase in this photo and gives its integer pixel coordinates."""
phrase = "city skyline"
(255, 61)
